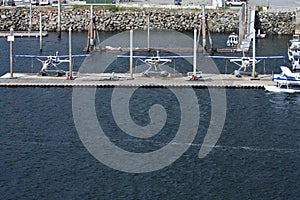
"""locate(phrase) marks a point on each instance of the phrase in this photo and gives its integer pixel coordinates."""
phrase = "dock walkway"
(297, 28)
(24, 33)
(123, 80)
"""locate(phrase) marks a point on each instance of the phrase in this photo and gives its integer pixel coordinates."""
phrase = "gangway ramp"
(297, 29)
(246, 42)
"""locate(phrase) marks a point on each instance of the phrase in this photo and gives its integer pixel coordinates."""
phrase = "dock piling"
(11, 39)
(131, 53)
(70, 54)
(93, 41)
(41, 36)
(203, 28)
(254, 61)
(59, 19)
(30, 17)
(148, 28)
(195, 52)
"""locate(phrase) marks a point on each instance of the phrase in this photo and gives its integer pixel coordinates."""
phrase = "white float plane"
(50, 63)
(286, 81)
(286, 77)
(245, 62)
(154, 63)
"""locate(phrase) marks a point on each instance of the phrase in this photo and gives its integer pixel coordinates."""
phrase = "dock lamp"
(11, 39)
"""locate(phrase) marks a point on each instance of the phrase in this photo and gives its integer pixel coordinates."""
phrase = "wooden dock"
(24, 33)
(123, 80)
(166, 50)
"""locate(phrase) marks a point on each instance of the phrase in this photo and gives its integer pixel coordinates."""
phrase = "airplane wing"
(73, 56)
(122, 56)
(270, 57)
(160, 57)
(257, 58)
(240, 58)
(223, 57)
(174, 57)
(29, 56)
(46, 57)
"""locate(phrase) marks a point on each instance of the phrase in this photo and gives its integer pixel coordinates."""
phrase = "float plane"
(154, 63)
(50, 63)
(286, 81)
(286, 77)
(245, 62)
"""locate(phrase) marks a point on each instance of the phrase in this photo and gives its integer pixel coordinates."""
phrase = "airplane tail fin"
(287, 72)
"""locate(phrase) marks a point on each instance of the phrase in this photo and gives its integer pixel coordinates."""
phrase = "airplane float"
(245, 62)
(154, 63)
(286, 77)
(50, 63)
(286, 81)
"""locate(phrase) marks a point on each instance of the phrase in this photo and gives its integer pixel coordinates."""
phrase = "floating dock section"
(24, 33)
(124, 80)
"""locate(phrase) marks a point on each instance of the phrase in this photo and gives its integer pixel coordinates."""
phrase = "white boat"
(294, 47)
(233, 40)
(296, 62)
(260, 35)
(296, 38)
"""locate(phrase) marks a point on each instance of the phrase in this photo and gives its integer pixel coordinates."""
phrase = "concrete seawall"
(219, 21)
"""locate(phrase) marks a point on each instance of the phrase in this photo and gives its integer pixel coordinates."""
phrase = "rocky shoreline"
(219, 21)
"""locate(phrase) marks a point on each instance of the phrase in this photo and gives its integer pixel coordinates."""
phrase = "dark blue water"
(42, 156)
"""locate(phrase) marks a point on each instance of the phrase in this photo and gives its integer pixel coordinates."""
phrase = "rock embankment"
(219, 21)
(277, 22)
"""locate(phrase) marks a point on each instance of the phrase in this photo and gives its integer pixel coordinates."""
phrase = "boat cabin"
(296, 62)
(232, 40)
(294, 50)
